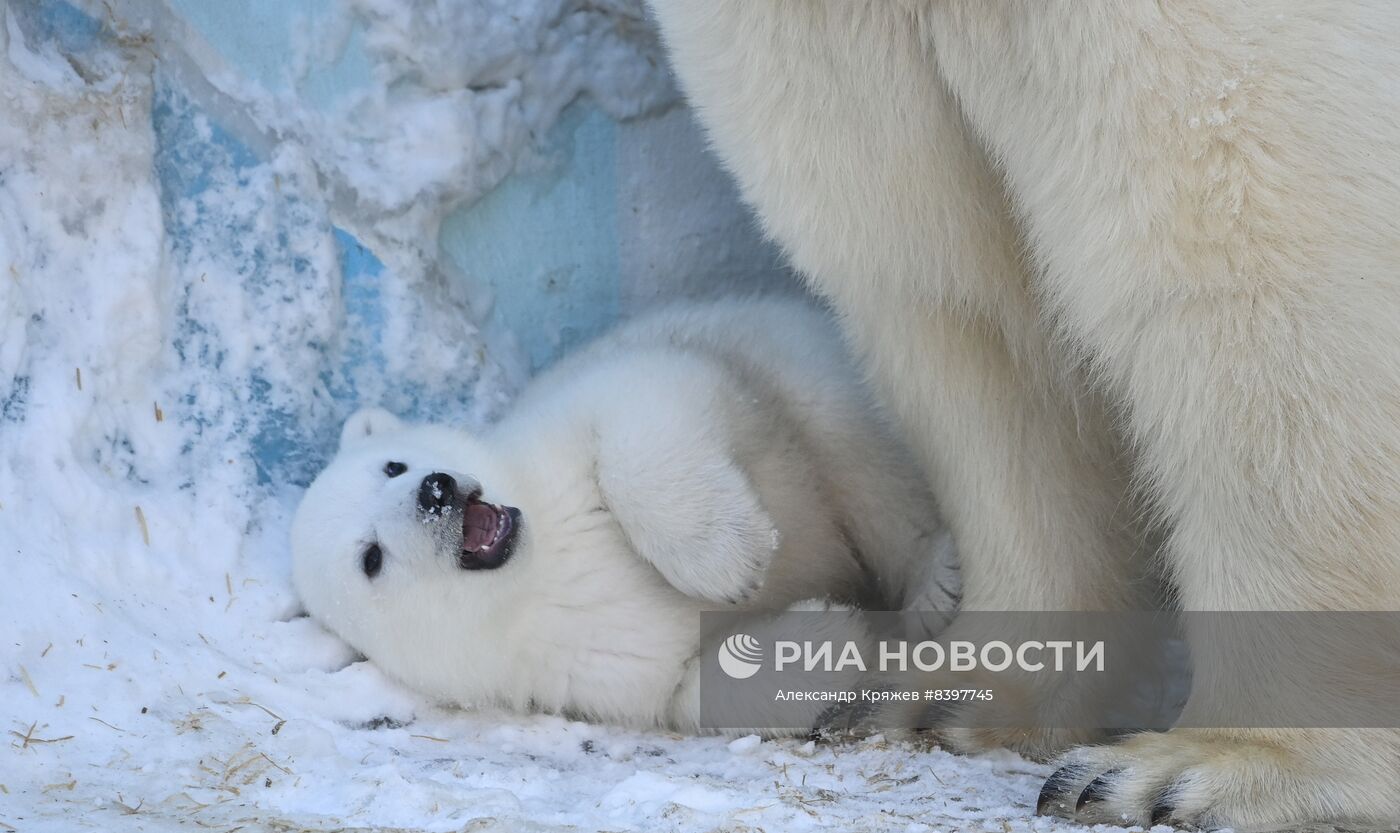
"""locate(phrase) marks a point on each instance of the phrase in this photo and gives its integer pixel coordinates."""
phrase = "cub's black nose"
(436, 492)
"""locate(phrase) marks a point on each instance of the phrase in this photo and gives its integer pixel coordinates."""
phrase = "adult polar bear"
(1029, 213)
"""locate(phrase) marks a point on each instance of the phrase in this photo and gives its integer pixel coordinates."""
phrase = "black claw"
(840, 718)
(1052, 796)
(1161, 810)
(936, 715)
(1097, 790)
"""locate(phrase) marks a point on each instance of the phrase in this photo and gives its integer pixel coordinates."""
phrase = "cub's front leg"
(668, 474)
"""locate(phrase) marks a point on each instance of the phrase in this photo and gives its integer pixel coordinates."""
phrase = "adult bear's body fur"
(1035, 215)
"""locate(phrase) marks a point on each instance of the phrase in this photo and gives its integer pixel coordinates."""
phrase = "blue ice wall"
(551, 241)
(255, 37)
(562, 251)
(609, 218)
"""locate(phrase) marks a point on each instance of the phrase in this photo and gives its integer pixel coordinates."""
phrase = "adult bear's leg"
(1211, 189)
(843, 137)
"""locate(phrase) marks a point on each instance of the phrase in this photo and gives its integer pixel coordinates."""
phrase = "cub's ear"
(367, 422)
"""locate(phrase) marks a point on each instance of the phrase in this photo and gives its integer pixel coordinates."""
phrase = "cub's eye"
(395, 469)
(372, 560)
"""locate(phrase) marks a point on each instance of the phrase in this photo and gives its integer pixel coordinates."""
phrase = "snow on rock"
(482, 77)
(461, 94)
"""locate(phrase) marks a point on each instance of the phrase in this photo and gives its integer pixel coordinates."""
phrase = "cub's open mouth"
(488, 534)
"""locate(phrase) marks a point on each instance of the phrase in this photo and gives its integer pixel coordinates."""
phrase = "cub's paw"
(1257, 779)
(972, 728)
(702, 527)
(731, 574)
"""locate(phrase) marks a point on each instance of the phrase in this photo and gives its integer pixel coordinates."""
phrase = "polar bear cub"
(707, 456)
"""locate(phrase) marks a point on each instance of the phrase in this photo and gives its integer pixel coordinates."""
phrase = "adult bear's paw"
(1255, 779)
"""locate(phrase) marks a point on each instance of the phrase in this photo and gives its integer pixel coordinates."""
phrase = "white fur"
(703, 457)
(1057, 229)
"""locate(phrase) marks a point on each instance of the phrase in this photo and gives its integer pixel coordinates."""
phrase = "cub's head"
(406, 540)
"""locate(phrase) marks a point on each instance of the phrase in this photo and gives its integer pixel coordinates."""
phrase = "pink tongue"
(478, 527)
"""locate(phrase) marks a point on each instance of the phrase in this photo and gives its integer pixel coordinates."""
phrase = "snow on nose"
(436, 492)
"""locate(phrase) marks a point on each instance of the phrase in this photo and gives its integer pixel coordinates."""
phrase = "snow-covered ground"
(183, 324)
